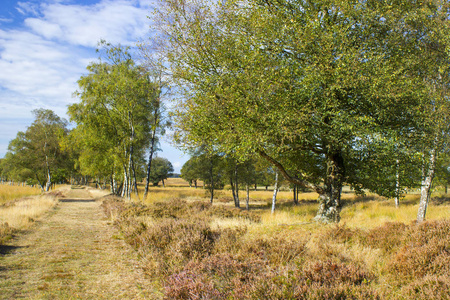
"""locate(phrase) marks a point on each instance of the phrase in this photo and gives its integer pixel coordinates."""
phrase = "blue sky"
(45, 46)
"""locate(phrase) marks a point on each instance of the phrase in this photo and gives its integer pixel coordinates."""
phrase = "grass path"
(71, 253)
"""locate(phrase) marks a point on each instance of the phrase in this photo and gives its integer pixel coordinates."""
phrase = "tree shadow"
(6, 249)
(77, 200)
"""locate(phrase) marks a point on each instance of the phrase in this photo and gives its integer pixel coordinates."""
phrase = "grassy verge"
(195, 250)
(20, 214)
(11, 192)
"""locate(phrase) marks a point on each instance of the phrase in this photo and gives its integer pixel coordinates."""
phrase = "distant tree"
(35, 155)
(161, 169)
(190, 171)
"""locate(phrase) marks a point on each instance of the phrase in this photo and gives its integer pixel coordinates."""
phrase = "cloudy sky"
(45, 46)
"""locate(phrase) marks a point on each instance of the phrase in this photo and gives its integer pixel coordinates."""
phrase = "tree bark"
(295, 194)
(236, 186)
(330, 196)
(397, 185)
(425, 190)
(275, 191)
(232, 189)
(149, 165)
(211, 175)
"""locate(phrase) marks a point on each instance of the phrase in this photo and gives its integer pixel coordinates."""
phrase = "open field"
(187, 248)
(195, 250)
(11, 192)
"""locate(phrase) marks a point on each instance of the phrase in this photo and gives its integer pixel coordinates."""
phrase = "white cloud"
(42, 59)
(5, 20)
(114, 21)
(27, 8)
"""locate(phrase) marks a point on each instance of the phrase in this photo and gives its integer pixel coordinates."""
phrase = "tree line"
(328, 92)
(119, 120)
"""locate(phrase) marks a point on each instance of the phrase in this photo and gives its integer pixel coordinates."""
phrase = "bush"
(425, 251)
(387, 237)
(429, 287)
(6, 232)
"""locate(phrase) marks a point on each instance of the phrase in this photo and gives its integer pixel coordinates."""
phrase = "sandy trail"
(72, 253)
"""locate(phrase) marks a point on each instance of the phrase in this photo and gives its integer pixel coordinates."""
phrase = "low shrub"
(387, 237)
(428, 287)
(6, 232)
(425, 251)
(194, 256)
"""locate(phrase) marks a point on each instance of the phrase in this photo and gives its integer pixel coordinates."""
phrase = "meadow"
(194, 250)
(10, 192)
(20, 207)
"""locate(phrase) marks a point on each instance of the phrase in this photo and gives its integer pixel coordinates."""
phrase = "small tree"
(161, 170)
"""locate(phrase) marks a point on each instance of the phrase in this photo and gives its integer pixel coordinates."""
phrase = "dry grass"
(11, 192)
(21, 213)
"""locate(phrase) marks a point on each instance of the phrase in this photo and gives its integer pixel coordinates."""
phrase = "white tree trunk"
(397, 186)
(425, 190)
(275, 191)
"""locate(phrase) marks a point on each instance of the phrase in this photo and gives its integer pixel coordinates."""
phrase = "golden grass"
(22, 213)
(363, 212)
(11, 192)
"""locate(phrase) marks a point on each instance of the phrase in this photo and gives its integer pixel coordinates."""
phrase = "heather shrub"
(276, 250)
(113, 206)
(428, 287)
(387, 237)
(196, 250)
(426, 251)
(172, 243)
(6, 232)
(221, 211)
(229, 239)
(340, 233)
(219, 276)
(329, 272)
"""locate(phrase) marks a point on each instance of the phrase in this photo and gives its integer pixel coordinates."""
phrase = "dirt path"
(72, 253)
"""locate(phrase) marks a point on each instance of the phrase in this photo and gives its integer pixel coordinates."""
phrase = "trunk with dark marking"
(330, 195)
(425, 190)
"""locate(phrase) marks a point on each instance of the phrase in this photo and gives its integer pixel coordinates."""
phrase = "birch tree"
(115, 110)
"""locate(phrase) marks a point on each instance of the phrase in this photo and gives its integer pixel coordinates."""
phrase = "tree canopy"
(311, 86)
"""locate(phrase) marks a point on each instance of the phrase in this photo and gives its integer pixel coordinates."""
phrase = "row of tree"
(216, 171)
(119, 120)
(330, 92)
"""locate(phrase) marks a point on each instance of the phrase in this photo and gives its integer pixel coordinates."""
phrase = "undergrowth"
(182, 247)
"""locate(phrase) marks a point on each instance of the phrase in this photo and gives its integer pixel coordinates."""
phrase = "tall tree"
(116, 111)
(296, 82)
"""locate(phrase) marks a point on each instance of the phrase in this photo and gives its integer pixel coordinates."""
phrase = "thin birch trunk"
(397, 185)
(237, 204)
(275, 191)
(425, 190)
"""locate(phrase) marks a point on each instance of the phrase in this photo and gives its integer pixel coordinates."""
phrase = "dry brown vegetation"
(195, 250)
(11, 192)
(18, 212)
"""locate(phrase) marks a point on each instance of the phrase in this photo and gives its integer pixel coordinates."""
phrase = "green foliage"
(114, 118)
(161, 169)
(36, 156)
(312, 86)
